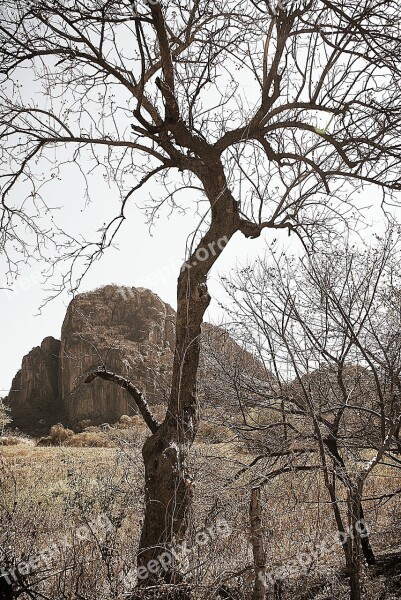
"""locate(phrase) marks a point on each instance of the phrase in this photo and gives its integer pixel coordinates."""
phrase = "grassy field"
(50, 495)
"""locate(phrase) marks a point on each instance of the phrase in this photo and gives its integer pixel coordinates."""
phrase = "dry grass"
(90, 439)
(50, 491)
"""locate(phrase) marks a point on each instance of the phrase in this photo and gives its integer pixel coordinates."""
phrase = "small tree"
(329, 327)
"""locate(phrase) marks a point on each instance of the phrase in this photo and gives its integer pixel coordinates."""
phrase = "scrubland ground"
(70, 519)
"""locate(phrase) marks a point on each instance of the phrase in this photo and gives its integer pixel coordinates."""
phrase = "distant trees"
(329, 327)
(257, 116)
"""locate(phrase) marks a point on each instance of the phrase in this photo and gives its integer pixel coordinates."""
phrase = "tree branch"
(139, 398)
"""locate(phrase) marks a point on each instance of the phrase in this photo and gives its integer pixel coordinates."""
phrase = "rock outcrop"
(34, 398)
(128, 330)
(131, 331)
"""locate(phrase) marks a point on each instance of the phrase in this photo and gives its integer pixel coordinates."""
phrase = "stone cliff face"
(34, 390)
(131, 331)
(132, 334)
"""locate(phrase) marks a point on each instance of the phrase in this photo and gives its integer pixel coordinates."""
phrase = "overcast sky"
(142, 260)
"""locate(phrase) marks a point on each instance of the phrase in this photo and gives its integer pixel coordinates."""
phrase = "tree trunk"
(6, 590)
(258, 550)
(354, 516)
(168, 485)
(355, 580)
(345, 542)
(365, 542)
(341, 472)
(168, 495)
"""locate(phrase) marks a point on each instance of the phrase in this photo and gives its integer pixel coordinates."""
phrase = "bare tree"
(272, 115)
(257, 539)
(329, 327)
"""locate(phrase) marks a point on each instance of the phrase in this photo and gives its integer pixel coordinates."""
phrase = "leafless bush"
(59, 434)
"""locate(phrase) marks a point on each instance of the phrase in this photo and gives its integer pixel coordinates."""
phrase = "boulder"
(130, 331)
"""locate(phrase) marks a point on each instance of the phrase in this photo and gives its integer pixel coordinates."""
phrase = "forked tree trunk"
(331, 443)
(168, 485)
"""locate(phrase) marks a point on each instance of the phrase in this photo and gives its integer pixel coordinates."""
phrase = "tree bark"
(6, 590)
(340, 528)
(341, 473)
(354, 514)
(168, 485)
(258, 550)
(365, 542)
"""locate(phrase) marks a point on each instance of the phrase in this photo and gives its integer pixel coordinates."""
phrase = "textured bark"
(354, 511)
(259, 554)
(341, 472)
(168, 485)
(168, 499)
(365, 542)
(6, 590)
(340, 527)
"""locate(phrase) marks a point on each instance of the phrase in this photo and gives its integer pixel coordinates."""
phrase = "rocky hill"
(130, 331)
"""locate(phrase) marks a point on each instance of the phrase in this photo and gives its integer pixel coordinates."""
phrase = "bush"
(59, 434)
(15, 440)
(84, 424)
(125, 421)
(5, 418)
(45, 441)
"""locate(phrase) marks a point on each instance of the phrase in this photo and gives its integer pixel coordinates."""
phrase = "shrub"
(125, 421)
(84, 424)
(45, 441)
(5, 418)
(15, 440)
(59, 434)
(91, 429)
